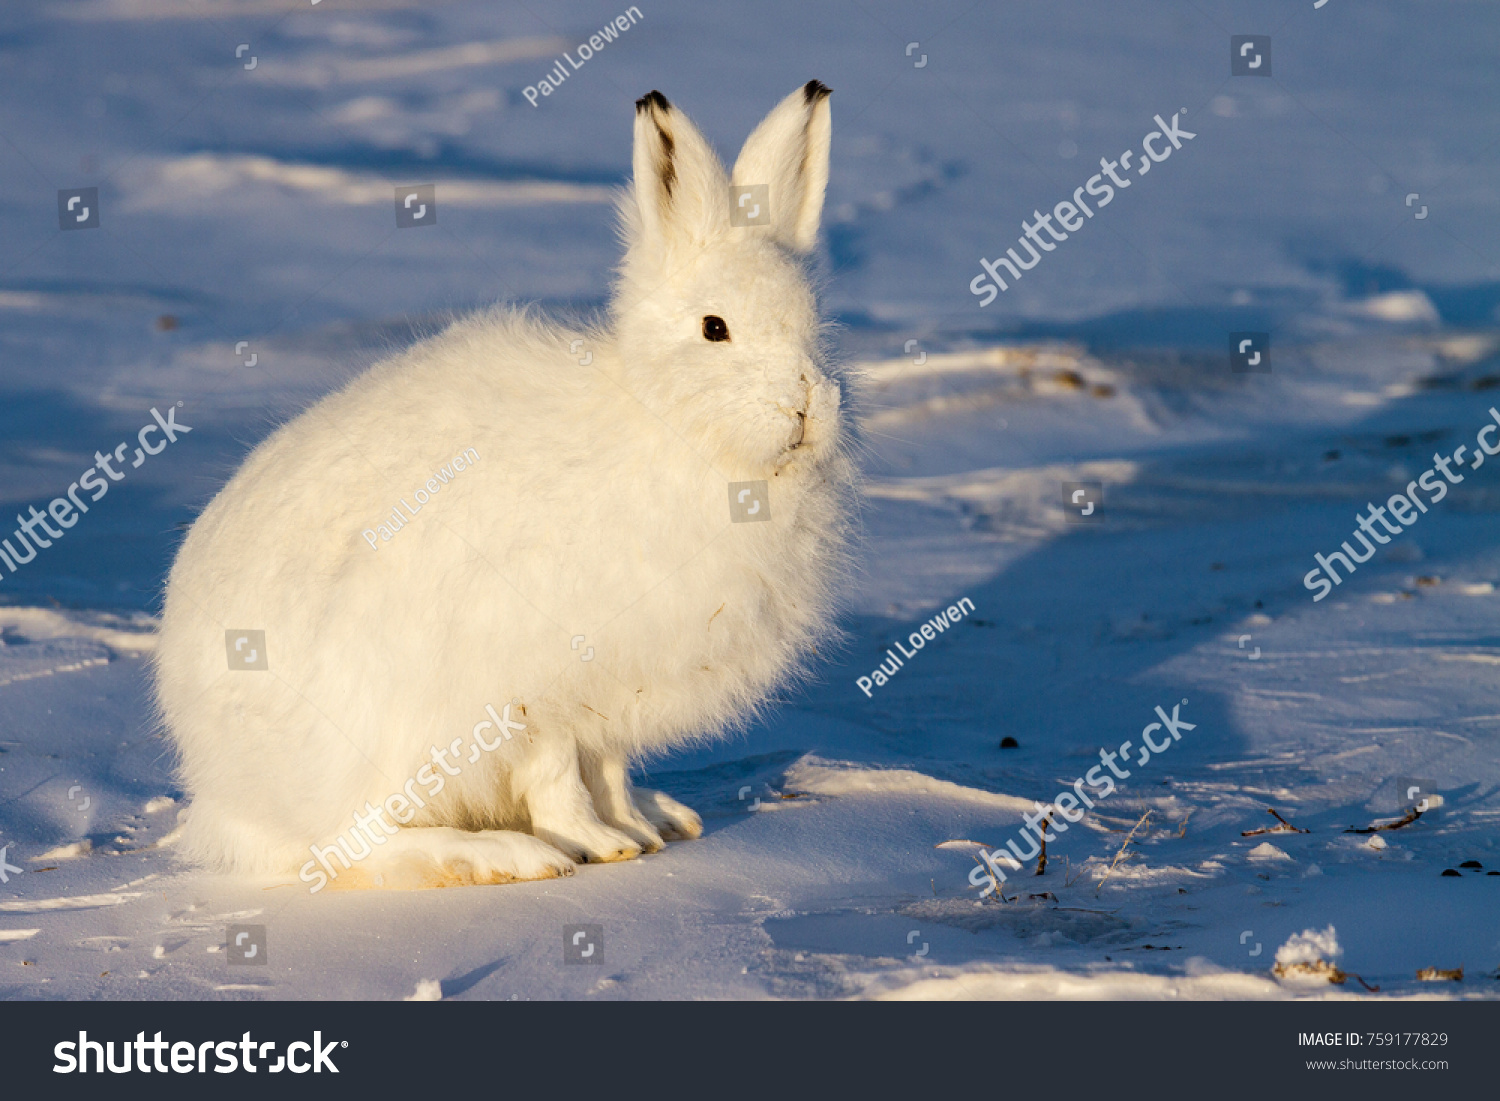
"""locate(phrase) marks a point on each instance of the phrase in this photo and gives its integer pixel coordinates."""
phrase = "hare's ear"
(680, 194)
(789, 152)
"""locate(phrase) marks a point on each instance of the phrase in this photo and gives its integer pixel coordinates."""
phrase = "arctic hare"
(420, 636)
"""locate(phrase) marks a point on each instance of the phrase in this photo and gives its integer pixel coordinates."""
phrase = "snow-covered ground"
(256, 205)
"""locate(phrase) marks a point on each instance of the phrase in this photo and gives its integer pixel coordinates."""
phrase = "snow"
(845, 778)
(251, 205)
(1309, 946)
(428, 990)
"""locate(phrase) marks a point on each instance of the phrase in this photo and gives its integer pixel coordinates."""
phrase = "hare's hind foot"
(440, 856)
(673, 820)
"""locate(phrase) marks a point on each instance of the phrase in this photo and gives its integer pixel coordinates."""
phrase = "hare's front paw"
(588, 842)
(673, 820)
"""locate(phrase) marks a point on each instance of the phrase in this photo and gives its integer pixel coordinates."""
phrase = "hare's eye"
(714, 328)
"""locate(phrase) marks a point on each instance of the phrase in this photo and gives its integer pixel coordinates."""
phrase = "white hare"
(499, 567)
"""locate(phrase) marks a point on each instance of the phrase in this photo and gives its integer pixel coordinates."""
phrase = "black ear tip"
(815, 90)
(652, 99)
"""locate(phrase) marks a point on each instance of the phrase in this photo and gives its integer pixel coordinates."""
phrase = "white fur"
(599, 507)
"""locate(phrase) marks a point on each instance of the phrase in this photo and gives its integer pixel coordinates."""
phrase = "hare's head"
(717, 324)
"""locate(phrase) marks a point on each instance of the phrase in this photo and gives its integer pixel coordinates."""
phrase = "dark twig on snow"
(1411, 815)
(1283, 826)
